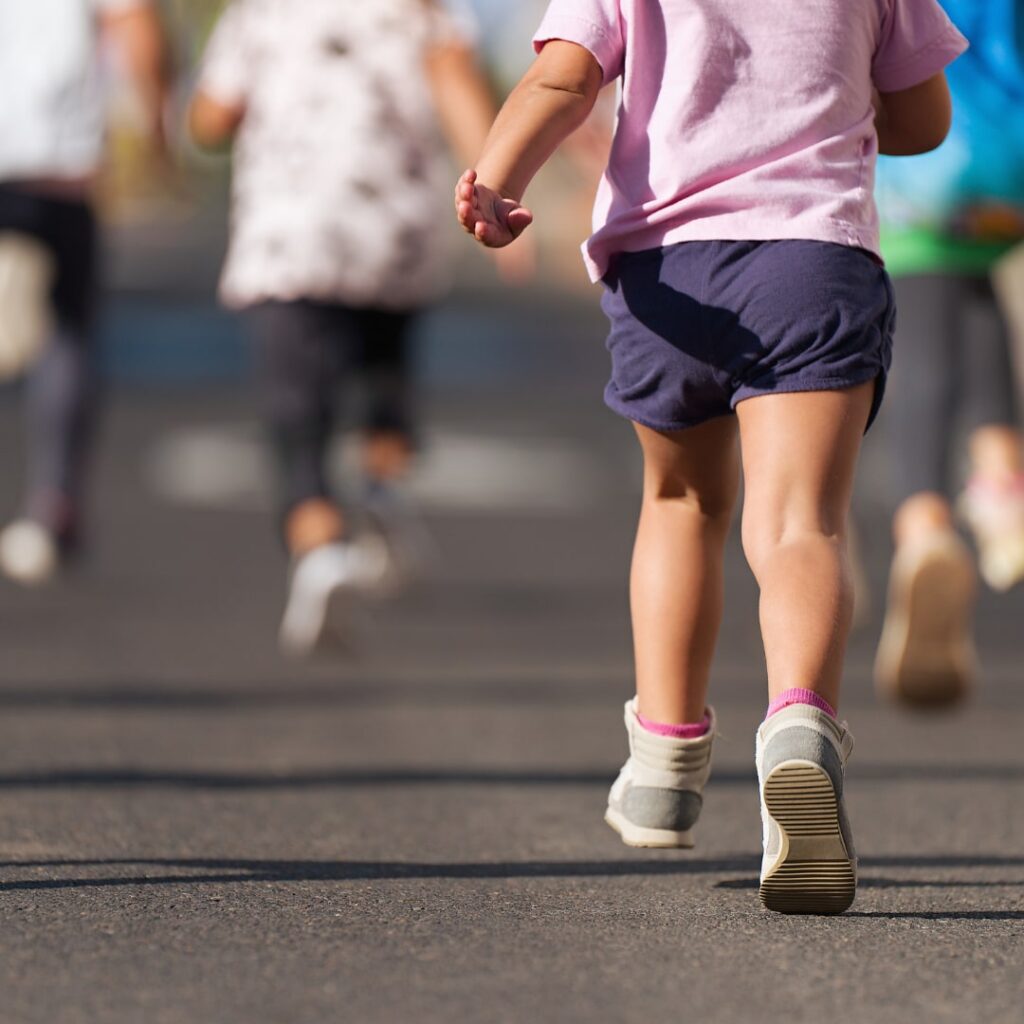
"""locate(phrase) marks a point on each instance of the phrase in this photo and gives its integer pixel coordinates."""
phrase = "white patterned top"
(340, 177)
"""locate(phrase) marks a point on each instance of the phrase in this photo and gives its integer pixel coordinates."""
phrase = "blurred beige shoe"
(926, 654)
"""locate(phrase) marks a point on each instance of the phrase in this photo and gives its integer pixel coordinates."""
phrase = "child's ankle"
(799, 696)
(685, 731)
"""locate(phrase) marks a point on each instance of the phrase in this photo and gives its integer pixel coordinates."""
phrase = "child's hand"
(493, 219)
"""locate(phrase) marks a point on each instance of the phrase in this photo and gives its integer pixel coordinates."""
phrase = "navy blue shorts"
(698, 327)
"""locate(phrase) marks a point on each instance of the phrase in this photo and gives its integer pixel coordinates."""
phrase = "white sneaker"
(809, 864)
(926, 652)
(28, 552)
(657, 797)
(323, 596)
(995, 516)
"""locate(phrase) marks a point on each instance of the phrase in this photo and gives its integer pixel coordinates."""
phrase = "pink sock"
(797, 696)
(686, 731)
(1009, 484)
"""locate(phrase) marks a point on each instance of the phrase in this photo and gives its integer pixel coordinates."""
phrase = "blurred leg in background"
(952, 371)
(390, 441)
(61, 386)
(992, 504)
(305, 348)
(385, 363)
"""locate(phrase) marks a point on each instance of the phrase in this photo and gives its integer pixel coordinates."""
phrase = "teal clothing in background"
(961, 208)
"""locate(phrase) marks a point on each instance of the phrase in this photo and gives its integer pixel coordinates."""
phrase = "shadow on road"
(207, 871)
(941, 915)
(133, 778)
(219, 871)
(372, 693)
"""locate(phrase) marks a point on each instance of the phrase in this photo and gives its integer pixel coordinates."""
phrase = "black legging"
(951, 367)
(304, 349)
(62, 385)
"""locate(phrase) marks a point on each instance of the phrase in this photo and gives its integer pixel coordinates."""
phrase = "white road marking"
(229, 466)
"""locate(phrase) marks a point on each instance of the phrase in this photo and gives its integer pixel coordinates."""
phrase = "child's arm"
(915, 120)
(139, 36)
(212, 123)
(466, 110)
(462, 97)
(554, 98)
(219, 103)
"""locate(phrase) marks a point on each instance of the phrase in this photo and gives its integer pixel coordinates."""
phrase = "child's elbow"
(916, 120)
(932, 135)
(211, 124)
(912, 141)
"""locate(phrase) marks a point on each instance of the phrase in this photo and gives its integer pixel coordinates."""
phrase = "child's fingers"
(491, 235)
(468, 215)
(465, 189)
(484, 232)
(519, 220)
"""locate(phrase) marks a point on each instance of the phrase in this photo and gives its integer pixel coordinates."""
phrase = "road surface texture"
(196, 831)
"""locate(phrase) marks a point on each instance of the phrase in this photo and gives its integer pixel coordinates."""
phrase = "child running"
(52, 127)
(331, 265)
(948, 220)
(751, 319)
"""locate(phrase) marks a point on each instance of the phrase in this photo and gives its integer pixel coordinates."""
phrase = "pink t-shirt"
(747, 119)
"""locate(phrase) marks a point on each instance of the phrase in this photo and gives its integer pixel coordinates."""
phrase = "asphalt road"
(195, 830)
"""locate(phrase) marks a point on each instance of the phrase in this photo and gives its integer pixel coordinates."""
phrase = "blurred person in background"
(339, 180)
(52, 122)
(949, 218)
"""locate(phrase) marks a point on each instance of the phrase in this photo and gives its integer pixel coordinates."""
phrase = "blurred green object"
(919, 250)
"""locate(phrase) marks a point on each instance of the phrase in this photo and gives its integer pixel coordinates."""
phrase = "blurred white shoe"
(323, 596)
(28, 553)
(995, 515)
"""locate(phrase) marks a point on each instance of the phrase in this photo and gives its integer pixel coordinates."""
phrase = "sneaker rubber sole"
(649, 838)
(814, 873)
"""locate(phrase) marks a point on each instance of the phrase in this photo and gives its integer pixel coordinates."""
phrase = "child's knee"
(764, 537)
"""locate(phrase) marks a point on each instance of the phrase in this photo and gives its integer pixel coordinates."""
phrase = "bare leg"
(311, 524)
(690, 482)
(387, 456)
(799, 457)
(997, 459)
(62, 393)
(927, 512)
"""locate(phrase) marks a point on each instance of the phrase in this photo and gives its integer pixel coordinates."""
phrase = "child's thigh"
(700, 463)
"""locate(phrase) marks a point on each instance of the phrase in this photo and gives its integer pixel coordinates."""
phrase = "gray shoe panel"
(673, 809)
(802, 744)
